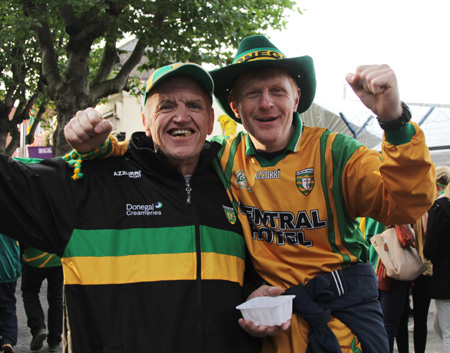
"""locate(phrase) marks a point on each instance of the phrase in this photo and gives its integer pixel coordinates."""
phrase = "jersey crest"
(241, 180)
(230, 214)
(305, 180)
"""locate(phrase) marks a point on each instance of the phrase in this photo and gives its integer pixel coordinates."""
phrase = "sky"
(410, 36)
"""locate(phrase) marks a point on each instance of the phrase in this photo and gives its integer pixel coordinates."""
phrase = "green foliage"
(137, 86)
(69, 46)
(20, 63)
(203, 31)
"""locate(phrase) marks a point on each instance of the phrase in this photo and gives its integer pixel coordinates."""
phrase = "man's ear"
(233, 107)
(297, 100)
(146, 127)
(211, 122)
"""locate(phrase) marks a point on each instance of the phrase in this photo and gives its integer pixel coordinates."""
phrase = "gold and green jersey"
(299, 211)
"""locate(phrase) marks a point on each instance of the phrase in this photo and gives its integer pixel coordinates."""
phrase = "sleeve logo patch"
(230, 214)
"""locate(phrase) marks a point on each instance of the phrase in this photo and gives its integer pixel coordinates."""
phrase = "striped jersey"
(299, 211)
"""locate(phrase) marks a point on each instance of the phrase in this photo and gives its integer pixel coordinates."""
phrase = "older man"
(152, 254)
(299, 191)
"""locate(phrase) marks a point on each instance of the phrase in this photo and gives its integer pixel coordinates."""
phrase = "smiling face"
(265, 100)
(178, 116)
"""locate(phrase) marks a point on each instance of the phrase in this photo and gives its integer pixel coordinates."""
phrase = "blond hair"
(443, 174)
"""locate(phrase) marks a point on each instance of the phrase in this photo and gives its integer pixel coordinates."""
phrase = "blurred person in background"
(437, 249)
(9, 273)
(392, 292)
(420, 289)
(39, 266)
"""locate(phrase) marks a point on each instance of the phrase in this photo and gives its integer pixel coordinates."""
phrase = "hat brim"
(300, 68)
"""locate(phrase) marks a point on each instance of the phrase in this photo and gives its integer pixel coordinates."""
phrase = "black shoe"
(7, 348)
(38, 340)
(53, 347)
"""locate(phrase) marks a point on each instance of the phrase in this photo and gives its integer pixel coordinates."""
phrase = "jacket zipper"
(188, 193)
(198, 251)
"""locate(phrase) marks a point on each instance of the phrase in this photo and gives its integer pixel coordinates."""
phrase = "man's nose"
(182, 113)
(266, 101)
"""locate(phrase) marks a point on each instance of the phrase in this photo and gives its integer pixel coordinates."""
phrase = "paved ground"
(434, 343)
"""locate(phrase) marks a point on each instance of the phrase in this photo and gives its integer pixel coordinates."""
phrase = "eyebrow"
(165, 100)
(189, 100)
(192, 100)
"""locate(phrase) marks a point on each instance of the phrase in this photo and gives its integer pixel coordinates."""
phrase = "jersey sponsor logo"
(268, 174)
(230, 214)
(305, 180)
(241, 180)
(282, 228)
(133, 174)
(153, 209)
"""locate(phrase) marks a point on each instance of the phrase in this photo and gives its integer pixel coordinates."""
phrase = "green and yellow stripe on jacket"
(125, 256)
(40, 259)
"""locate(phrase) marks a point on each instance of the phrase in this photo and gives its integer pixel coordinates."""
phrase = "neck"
(270, 155)
(186, 166)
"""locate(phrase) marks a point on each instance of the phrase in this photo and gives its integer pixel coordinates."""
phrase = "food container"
(267, 310)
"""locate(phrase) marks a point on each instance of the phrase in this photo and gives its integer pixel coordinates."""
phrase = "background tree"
(20, 84)
(202, 31)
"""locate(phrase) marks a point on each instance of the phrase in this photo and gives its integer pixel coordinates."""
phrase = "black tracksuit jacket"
(151, 263)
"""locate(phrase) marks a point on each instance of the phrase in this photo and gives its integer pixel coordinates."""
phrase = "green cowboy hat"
(258, 51)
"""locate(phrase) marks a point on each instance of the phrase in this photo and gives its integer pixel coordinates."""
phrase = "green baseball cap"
(195, 71)
(258, 51)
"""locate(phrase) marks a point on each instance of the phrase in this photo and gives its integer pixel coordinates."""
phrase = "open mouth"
(268, 119)
(181, 133)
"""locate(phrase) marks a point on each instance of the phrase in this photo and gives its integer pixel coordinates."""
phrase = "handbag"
(401, 263)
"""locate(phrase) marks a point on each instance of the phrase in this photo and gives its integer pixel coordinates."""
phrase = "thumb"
(275, 291)
(354, 80)
(351, 78)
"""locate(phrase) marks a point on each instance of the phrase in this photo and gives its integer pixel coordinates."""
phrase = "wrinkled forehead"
(180, 84)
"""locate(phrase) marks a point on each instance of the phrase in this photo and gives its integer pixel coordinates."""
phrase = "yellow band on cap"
(267, 54)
